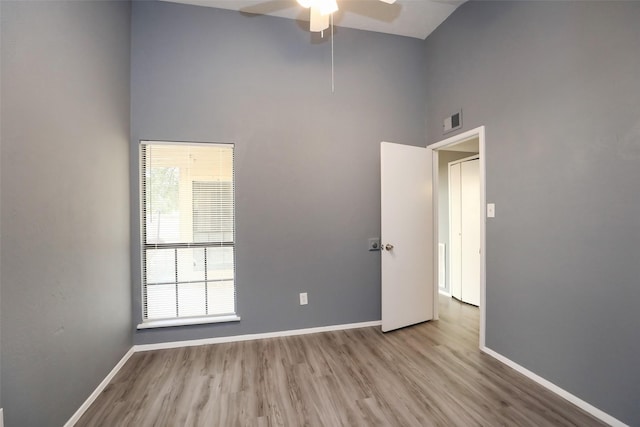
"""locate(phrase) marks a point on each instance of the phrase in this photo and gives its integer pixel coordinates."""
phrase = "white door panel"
(407, 225)
(455, 232)
(470, 180)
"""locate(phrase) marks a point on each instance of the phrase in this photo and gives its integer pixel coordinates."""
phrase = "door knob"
(388, 246)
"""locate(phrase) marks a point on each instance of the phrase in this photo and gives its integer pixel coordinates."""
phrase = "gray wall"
(1, 138)
(307, 160)
(66, 293)
(556, 85)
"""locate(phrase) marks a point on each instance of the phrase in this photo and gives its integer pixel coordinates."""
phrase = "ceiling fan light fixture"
(305, 3)
(317, 21)
(327, 7)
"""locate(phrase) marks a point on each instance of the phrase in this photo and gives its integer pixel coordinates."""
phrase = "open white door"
(406, 235)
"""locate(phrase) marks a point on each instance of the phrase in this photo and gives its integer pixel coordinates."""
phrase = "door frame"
(479, 133)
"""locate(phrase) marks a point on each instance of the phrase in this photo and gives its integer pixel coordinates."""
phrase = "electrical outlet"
(303, 298)
(374, 244)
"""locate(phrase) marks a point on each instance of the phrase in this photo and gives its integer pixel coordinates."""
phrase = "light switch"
(491, 210)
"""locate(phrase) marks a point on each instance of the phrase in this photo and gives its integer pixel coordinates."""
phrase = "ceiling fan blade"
(266, 7)
(369, 9)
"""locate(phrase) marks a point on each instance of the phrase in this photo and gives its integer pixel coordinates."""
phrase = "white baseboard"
(248, 337)
(445, 293)
(81, 410)
(601, 415)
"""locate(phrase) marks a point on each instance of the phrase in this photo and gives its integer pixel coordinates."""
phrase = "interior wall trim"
(191, 343)
(585, 406)
(248, 337)
(105, 382)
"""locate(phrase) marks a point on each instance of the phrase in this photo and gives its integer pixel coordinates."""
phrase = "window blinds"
(188, 256)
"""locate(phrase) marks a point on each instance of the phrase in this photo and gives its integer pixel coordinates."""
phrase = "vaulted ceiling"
(411, 18)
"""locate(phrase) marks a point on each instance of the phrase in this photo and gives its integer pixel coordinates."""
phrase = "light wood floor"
(431, 374)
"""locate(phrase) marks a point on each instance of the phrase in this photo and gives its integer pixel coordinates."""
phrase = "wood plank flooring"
(430, 374)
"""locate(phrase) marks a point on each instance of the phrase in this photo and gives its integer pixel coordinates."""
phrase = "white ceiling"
(411, 18)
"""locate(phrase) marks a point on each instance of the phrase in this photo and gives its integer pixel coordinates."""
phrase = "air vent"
(452, 122)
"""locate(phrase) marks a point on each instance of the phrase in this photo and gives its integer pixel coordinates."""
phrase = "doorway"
(453, 150)
(463, 260)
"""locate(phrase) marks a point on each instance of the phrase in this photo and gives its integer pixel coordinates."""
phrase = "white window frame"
(178, 321)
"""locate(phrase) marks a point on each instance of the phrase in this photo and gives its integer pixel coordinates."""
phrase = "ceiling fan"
(321, 10)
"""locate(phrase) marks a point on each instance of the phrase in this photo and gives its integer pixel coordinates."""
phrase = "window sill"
(203, 320)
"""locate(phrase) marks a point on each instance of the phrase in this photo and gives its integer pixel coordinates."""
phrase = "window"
(188, 249)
